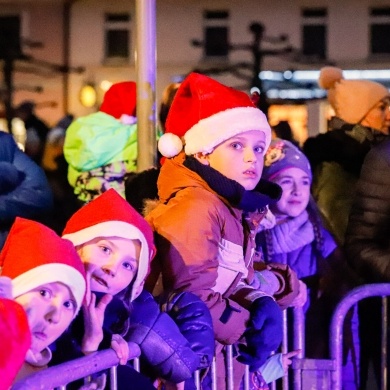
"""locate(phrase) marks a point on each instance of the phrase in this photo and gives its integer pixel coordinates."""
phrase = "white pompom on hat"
(34, 255)
(350, 99)
(205, 113)
(109, 215)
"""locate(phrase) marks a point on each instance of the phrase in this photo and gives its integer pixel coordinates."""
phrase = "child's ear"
(202, 158)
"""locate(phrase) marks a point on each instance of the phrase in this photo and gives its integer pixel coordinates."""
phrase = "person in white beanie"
(214, 144)
(361, 120)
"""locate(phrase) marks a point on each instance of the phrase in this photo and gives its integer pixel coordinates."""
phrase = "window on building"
(380, 30)
(10, 37)
(216, 34)
(117, 36)
(314, 32)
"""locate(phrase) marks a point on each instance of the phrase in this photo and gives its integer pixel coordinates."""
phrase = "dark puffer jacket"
(165, 350)
(368, 235)
(336, 158)
(24, 189)
(194, 320)
(169, 350)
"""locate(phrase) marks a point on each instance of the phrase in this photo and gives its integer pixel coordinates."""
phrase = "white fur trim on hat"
(51, 273)
(211, 131)
(117, 229)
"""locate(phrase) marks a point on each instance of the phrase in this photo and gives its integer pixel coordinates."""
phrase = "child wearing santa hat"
(214, 146)
(101, 148)
(116, 246)
(48, 281)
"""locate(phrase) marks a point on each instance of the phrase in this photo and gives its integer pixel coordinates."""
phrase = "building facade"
(228, 39)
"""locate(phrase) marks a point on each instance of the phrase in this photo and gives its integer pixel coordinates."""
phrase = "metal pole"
(146, 82)
(384, 367)
(336, 327)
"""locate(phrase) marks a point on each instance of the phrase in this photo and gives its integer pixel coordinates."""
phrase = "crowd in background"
(236, 223)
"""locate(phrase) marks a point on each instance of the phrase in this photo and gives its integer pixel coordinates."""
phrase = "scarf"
(264, 194)
(292, 234)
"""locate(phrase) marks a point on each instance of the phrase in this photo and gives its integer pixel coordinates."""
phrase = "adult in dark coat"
(360, 121)
(24, 189)
(36, 130)
(368, 233)
(367, 244)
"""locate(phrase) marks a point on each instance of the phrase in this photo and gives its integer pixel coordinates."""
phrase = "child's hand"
(5, 287)
(301, 298)
(98, 383)
(93, 322)
(287, 358)
(125, 351)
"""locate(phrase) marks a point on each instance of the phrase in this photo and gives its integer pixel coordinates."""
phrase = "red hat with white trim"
(34, 255)
(120, 100)
(205, 113)
(109, 215)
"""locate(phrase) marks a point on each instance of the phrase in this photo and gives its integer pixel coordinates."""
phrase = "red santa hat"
(120, 99)
(34, 255)
(15, 340)
(109, 215)
(205, 113)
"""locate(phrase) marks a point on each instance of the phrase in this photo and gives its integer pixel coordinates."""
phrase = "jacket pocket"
(230, 263)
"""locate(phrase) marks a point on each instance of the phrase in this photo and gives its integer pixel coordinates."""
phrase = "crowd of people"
(236, 224)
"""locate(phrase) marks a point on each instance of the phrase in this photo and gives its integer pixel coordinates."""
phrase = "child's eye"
(70, 304)
(105, 249)
(259, 149)
(236, 145)
(45, 293)
(285, 182)
(306, 182)
(127, 265)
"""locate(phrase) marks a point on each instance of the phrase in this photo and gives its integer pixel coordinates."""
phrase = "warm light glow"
(88, 95)
(105, 85)
(296, 115)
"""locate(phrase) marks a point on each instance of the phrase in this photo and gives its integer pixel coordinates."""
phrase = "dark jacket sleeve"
(32, 194)
(162, 345)
(368, 235)
(194, 320)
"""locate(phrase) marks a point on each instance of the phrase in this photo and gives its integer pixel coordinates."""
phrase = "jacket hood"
(96, 140)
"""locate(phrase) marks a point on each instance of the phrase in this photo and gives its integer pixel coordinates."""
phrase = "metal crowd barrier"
(325, 374)
(319, 374)
(57, 377)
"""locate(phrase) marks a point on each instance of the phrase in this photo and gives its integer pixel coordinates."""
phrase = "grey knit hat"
(281, 155)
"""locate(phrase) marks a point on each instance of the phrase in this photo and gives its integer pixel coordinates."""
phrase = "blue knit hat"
(281, 155)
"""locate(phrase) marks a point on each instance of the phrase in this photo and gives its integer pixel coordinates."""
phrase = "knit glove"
(263, 335)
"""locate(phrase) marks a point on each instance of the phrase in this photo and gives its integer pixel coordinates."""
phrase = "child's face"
(296, 193)
(239, 158)
(114, 263)
(50, 309)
